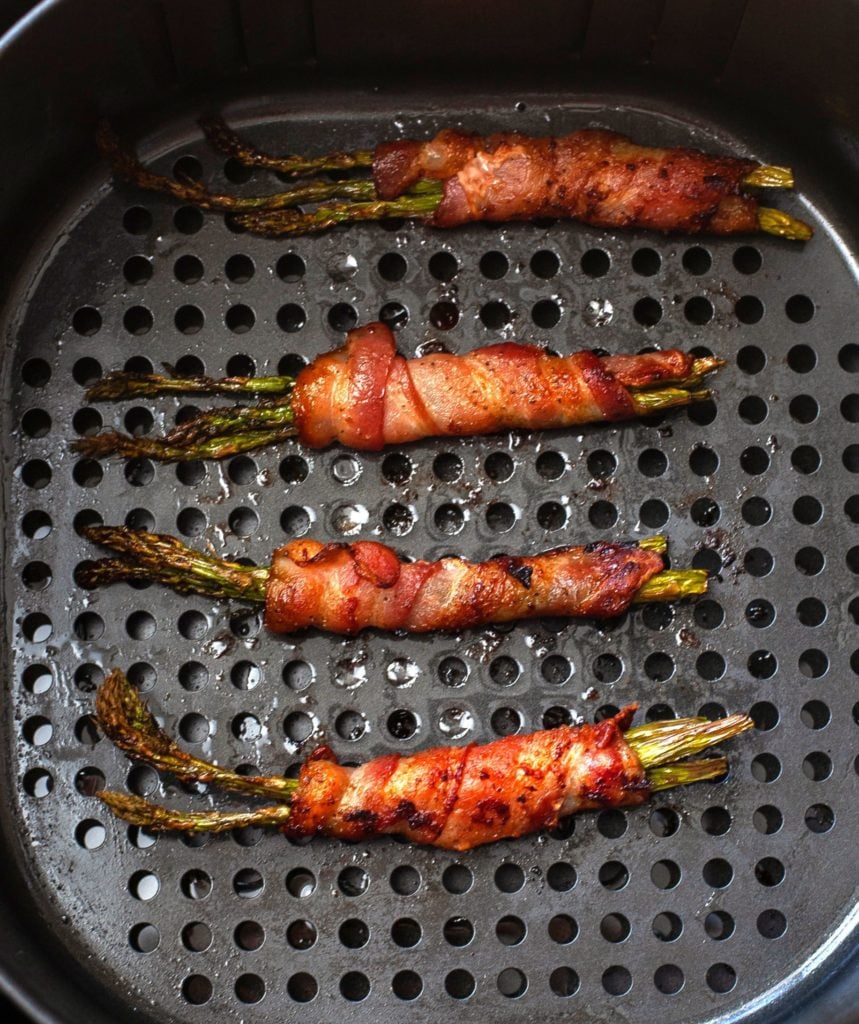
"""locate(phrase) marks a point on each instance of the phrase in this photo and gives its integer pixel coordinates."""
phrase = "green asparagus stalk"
(661, 743)
(226, 141)
(112, 442)
(163, 559)
(657, 543)
(137, 811)
(118, 385)
(671, 775)
(127, 166)
(289, 223)
(215, 434)
(130, 726)
(649, 402)
(283, 223)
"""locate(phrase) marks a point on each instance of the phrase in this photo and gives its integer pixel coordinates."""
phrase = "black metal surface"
(82, 297)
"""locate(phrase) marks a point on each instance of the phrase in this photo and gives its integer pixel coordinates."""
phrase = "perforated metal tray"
(720, 901)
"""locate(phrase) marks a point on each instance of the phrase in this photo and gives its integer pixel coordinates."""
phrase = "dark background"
(10, 1014)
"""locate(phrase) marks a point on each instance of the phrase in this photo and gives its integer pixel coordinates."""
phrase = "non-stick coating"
(692, 909)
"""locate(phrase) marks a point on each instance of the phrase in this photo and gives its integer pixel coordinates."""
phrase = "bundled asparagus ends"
(366, 396)
(344, 588)
(593, 176)
(451, 797)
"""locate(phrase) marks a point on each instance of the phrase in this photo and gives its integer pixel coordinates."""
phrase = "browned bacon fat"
(344, 588)
(460, 797)
(366, 396)
(598, 177)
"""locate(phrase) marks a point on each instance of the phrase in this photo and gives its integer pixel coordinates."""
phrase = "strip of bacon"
(366, 396)
(461, 797)
(595, 176)
(345, 588)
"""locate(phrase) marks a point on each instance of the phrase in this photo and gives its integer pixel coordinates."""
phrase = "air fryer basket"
(728, 901)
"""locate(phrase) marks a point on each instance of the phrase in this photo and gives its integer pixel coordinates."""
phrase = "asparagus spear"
(157, 557)
(127, 166)
(117, 385)
(160, 558)
(230, 143)
(661, 747)
(223, 432)
(226, 141)
(275, 215)
(273, 223)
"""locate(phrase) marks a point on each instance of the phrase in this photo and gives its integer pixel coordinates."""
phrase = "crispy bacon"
(345, 588)
(595, 176)
(460, 797)
(366, 396)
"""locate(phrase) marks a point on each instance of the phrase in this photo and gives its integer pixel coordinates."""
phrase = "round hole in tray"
(667, 926)
(768, 819)
(771, 924)
(354, 933)
(510, 930)
(563, 929)
(596, 263)
(697, 260)
(668, 979)
(302, 987)
(459, 983)
(509, 878)
(144, 938)
(293, 469)
(405, 931)
(407, 985)
(545, 264)
(197, 989)
(458, 931)
(506, 721)
(512, 982)
(615, 928)
(616, 980)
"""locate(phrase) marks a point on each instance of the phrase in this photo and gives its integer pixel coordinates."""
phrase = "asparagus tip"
(706, 364)
(671, 775)
(657, 543)
(646, 403)
(770, 176)
(673, 585)
(662, 743)
(776, 222)
(700, 395)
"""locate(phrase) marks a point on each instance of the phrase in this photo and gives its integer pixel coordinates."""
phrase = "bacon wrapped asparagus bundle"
(451, 797)
(345, 588)
(366, 396)
(594, 176)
